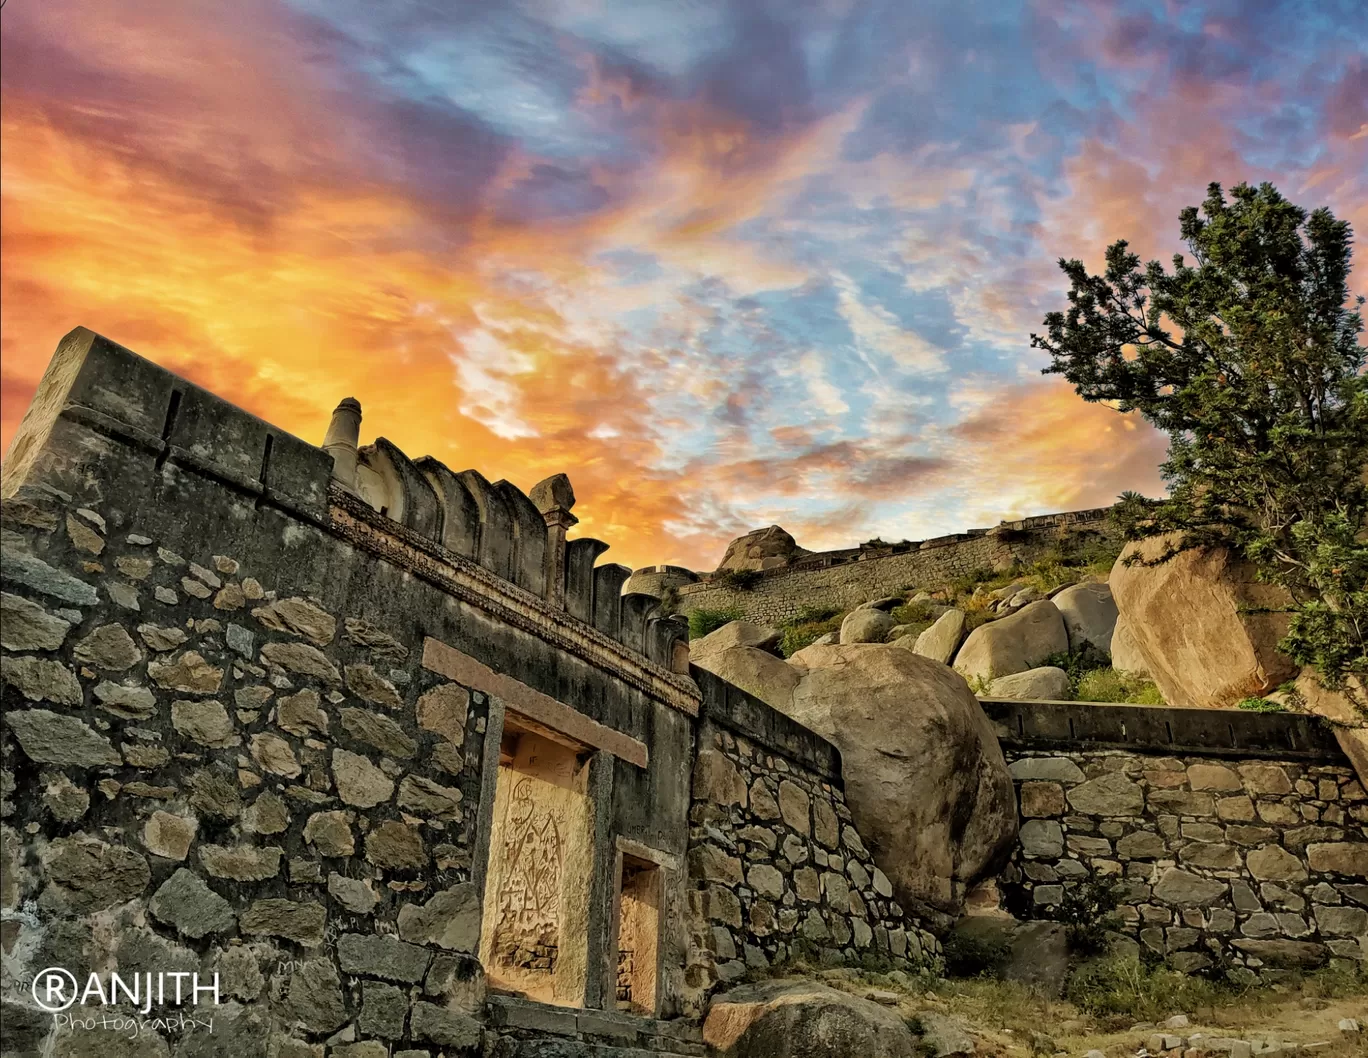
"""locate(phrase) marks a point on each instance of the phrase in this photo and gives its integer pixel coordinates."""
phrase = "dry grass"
(1004, 1015)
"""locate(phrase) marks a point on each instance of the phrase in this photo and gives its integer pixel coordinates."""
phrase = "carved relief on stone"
(527, 933)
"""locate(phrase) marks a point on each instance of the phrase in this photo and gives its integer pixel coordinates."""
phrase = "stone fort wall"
(253, 716)
(258, 699)
(842, 580)
(1241, 839)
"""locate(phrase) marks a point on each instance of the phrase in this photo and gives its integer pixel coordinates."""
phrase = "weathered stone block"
(1042, 839)
(301, 922)
(382, 956)
(395, 846)
(1343, 857)
(184, 902)
(1184, 889)
(1108, 795)
(450, 920)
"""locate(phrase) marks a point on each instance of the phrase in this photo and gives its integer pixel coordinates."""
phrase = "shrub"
(1077, 662)
(701, 622)
(1087, 912)
(1261, 705)
(969, 956)
(809, 624)
(1123, 985)
(1111, 685)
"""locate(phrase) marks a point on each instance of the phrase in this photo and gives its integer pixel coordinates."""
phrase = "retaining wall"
(777, 869)
(1241, 838)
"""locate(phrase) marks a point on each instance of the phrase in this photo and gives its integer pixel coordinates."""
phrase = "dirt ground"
(1004, 1018)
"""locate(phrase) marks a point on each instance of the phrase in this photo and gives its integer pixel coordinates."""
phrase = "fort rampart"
(842, 580)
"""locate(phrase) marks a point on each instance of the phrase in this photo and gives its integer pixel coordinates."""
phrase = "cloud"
(723, 266)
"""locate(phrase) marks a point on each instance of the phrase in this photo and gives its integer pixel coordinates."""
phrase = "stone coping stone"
(1142, 728)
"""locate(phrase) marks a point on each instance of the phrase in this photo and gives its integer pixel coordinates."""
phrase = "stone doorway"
(534, 934)
(638, 936)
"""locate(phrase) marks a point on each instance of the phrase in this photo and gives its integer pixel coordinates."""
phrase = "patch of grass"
(912, 613)
(1128, 987)
(1109, 685)
(701, 622)
(808, 625)
(1077, 662)
(1261, 705)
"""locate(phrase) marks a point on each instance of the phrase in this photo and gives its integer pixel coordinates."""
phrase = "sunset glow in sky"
(725, 264)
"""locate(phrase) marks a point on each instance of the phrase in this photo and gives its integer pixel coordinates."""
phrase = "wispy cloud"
(724, 267)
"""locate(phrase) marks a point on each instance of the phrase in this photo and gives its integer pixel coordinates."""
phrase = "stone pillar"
(341, 441)
(554, 497)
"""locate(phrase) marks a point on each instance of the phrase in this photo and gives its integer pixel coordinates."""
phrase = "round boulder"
(1046, 683)
(1013, 644)
(942, 639)
(925, 779)
(1089, 614)
(734, 634)
(866, 626)
(803, 1019)
(755, 671)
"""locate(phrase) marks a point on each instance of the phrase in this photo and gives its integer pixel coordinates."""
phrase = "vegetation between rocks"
(807, 626)
(701, 622)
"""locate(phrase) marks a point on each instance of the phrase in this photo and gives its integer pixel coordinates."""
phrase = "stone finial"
(554, 497)
(556, 491)
(342, 439)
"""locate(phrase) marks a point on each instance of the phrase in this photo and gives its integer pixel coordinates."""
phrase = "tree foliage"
(1249, 358)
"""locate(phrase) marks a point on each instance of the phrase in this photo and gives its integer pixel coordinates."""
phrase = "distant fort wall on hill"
(844, 579)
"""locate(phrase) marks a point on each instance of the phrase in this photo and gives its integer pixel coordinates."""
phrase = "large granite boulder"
(1013, 644)
(734, 634)
(765, 548)
(925, 779)
(867, 625)
(1089, 614)
(1126, 653)
(1046, 683)
(755, 671)
(942, 639)
(1191, 616)
(803, 1019)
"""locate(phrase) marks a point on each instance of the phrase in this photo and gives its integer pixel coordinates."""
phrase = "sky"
(725, 264)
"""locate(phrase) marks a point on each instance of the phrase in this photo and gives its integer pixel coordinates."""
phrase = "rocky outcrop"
(925, 778)
(803, 1019)
(1194, 621)
(1089, 614)
(762, 549)
(1013, 644)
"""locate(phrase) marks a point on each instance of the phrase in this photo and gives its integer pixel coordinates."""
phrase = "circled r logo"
(54, 989)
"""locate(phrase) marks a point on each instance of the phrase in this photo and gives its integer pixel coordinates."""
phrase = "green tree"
(1250, 360)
